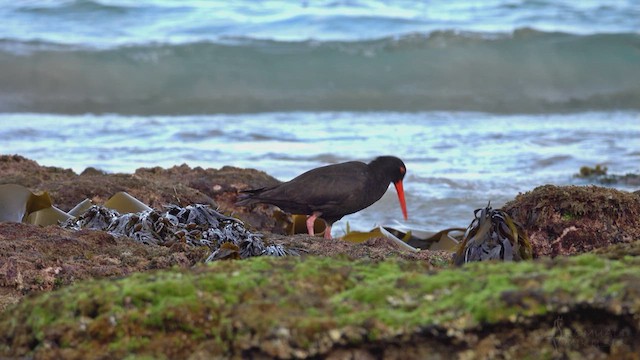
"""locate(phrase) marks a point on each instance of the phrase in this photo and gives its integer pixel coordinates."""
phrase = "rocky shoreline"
(591, 294)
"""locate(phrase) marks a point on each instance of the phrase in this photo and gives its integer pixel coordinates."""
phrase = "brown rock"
(35, 259)
(567, 220)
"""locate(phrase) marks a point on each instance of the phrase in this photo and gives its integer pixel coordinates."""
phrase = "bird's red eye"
(402, 170)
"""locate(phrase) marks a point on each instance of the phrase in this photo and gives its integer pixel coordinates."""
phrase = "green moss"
(615, 289)
(227, 303)
(138, 357)
(129, 343)
(441, 262)
(567, 216)
(40, 319)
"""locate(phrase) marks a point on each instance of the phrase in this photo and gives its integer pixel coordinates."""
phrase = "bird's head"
(394, 170)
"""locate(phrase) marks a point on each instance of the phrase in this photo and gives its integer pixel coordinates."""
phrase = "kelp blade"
(124, 203)
(80, 209)
(447, 239)
(18, 202)
(48, 216)
(361, 236)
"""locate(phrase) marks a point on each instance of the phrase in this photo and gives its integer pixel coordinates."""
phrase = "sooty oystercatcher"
(333, 191)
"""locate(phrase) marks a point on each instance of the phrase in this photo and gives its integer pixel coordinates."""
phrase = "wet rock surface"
(561, 307)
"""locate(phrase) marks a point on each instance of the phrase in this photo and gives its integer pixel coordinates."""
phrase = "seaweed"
(20, 204)
(598, 174)
(493, 235)
(193, 225)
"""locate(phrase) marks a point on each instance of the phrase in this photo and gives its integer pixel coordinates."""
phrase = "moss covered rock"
(314, 306)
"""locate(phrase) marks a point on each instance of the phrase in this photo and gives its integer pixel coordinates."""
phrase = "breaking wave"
(523, 71)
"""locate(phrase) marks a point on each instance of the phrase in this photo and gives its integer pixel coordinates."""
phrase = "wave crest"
(524, 71)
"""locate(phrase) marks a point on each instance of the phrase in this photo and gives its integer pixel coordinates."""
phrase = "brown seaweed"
(194, 225)
(599, 175)
(124, 215)
(493, 235)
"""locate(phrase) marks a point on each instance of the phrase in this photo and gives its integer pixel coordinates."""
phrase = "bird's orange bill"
(403, 204)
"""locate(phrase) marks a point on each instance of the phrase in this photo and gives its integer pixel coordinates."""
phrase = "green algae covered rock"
(313, 306)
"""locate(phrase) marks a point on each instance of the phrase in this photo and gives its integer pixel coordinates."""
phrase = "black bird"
(333, 191)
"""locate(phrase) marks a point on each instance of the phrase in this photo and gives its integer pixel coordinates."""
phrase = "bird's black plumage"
(333, 191)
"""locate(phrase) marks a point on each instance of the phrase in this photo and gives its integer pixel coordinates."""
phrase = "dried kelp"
(95, 218)
(394, 235)
(410, 238)
(251, 246)
(447, 239)
(19, 204)
(196, 225)
(493, 235)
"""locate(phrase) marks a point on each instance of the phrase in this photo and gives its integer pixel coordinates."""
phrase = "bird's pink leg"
(327, 232)
(311, 219)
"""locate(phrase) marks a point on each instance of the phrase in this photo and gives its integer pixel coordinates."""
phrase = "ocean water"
(482, 100)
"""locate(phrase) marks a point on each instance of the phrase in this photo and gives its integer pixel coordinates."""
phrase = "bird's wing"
(330, 186)
(333, 190)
